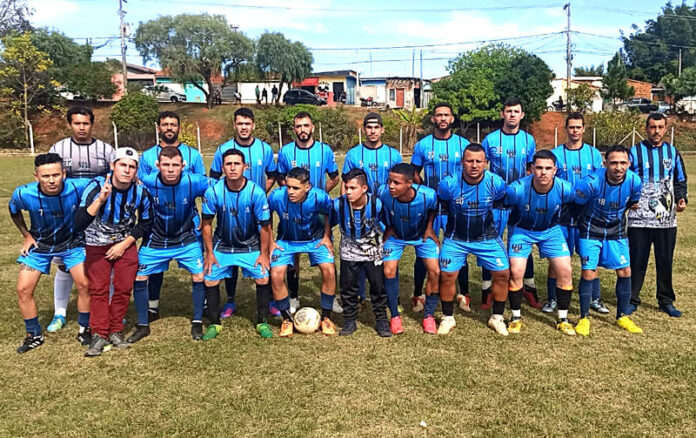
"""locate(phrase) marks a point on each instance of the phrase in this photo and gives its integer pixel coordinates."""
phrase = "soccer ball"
(307, 320)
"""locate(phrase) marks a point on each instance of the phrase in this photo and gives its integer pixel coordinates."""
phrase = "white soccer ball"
(307, 320)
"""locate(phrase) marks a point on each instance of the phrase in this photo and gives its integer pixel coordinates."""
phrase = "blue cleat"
(670, 310)
(228, 310)
(57, 323)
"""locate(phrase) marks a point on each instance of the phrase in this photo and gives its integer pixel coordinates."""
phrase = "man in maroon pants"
(108, 211)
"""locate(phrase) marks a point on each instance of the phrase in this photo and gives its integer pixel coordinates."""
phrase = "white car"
(164, 94)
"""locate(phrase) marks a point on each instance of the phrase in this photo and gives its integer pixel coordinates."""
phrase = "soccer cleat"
(630, 309)
(396, 325)
(598, 306)
(515, 325)
(294, 305)
(197, 331)
(328, 328)
(550, 306)
(447, 323)
(211, 332)
(229, 309)
(670, 310)
(337, 308)
(464, 302)
(627, 324)
(497, 323)
(418, 303)
(429, 325)
(85, 337)
(272, 310)
(97, 346)
(486, 298)
(140, 332)
(583, 327)
(57, 323)
(117, 341)
(565, 327)
(382, 328)
(530, 294)
(30, 342)
(286, 329)
(152, 314)
(349, 327)
(263, 329)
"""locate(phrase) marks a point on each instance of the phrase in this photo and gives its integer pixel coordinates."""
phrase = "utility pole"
(569, 59)
(680, 62)
(422, 94)
(122, 15)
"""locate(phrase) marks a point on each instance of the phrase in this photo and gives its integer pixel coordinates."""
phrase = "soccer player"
(408, 213)
(664, 193)
(84, 157)
(607, 194)
(536, 201)
(116, 212)
(509, 151)
(261, 170)
(575, 160)
(357, 213)
(173, 236)
(468, 199)
(242, 238)
(304, 226)
(438, 155)
(51, 202)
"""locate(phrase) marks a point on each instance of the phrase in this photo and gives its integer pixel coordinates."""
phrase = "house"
(137, 75)
(332, 85)
(559, 91)
(394, 92)
(642, 89)
(375, 88)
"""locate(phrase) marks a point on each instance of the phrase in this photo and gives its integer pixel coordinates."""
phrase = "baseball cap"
(372, 118)
(125, 153)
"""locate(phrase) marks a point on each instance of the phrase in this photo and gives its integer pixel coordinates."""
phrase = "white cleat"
(497, 323)
(336, 306)
(294, 305)
(446, 325)
(464, 302)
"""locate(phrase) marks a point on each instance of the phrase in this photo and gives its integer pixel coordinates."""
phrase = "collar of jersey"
(224, 182)
(304, 149)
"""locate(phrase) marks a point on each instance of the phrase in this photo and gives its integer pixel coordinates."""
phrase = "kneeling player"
(304, 227)
(408, 212)
(468, 199)
(536, 202)
(607, 194)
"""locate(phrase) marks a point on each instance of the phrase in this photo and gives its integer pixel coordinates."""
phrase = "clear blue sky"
(364, 27)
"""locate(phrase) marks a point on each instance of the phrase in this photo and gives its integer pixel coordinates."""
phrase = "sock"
(153, 306)
(418, 277)
(362, 281)
(463, 280)
(529, 273)
(326, 302)
(140, 299)
(154, 286)
(293, 283)
(486, 284)
(198, 297)
(551, 288)
(33, 326)
(283, 306)
(391, 287)
(431, 304)
(486, 278)
(623, 295)
(498, 307)
(564, 296)
(83, 320)
(515, 298)
(596, 289)
(231, 285)
(448, 308)
(212, 296)
(263, 299)
(585, 291)
(62, 285)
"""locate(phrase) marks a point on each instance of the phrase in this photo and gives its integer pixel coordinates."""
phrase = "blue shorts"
(490, 254)
(572, 237)
(228, 262)
(551, 243)
(42, 261)
(500, 220)
(317, 256)
(394, 248)
(156, 260)
(440, 223)
(610, 254)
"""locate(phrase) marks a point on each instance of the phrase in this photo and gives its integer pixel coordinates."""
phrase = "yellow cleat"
(627, 324)
(327, 327)
(566, 328)
(286, 329)
(515, 326)
(583, 327)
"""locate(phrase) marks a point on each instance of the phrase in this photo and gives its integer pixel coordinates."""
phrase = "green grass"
(471, 383)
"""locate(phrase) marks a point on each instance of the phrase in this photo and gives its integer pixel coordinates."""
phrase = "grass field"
(471, 383)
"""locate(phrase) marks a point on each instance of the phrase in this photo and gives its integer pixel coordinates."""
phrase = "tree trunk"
(26, 111)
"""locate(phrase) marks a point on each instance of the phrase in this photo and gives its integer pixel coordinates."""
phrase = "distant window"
(392, 94)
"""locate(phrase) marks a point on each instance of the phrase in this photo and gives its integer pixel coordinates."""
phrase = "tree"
(590, 70)
(90, 81)
(581, 97)
(194, 48)
(529, 78)
(135, 116)
(288, 61)
(14, 17)
(685, 85)
(615, 81)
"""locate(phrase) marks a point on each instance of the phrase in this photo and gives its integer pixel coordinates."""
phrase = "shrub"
(11, 128)
(613, 127)
(135, 116)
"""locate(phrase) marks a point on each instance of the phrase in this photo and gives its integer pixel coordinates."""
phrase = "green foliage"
(338, 129)
(12, 134)
(615, 81)
(589, 70)
(685, 84)
(581, 97)
(135, 116)
(90, 81)
(14, 17)
(278, 57)
(528, 78)
(411, 121)
(63, 51)
(613, 127)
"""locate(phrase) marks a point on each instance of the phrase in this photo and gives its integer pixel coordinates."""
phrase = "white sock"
(499, 317)
(153, 304)
(562, 314)
(517, 313)
(529, 282)
(486, 284)
(62, 285)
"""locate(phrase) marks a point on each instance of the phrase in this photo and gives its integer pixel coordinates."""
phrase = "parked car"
(664, 107)
(640, 104)
(164, 94)
(298, 95)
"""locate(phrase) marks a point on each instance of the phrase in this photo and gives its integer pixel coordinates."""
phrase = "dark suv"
(640, 104)
(298, 95)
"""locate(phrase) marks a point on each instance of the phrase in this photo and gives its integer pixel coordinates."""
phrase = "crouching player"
(242, 238)
(607, 194)
(468, 199)
(51, 202)
(304, 227)
(408, 212)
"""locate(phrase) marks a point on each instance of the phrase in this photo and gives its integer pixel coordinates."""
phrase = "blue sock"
(362, 279)
(198, 296)
(486, 275)
(623, 295)
(325, 301)
(391, 287)
(585, 290)
(431, 304)
(140, 299)
(551, 289)
(154, 285)
(33, 326)
(284, 304)
(596, 289)
(83, 319)
(418, 277)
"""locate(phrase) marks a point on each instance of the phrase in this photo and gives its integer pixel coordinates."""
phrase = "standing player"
(84, 157)
(242, 238)
(536, 202)
(575, 160)
(304, 226)
(607, 195)
(261, 170)
(664, 193)
(468, 199)
(51, 202)
(438, 155)
(509, 151)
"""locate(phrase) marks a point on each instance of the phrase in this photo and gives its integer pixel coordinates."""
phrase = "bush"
(135, 116)
(338, 129)
(11, 128)
(613, 127)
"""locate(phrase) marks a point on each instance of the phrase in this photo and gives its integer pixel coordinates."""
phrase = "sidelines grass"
(471, 383)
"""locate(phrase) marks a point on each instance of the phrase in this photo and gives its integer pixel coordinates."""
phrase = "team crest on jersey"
(540, 210)
(516, 247)
(130, 207)
(615, 205)
(577, 170)
(275, 257)
(232, 211)
(170, 205)
(445, 262)
(387, 252)
(444, 157)
(373, 166)
(511, 153)
(667, 163)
